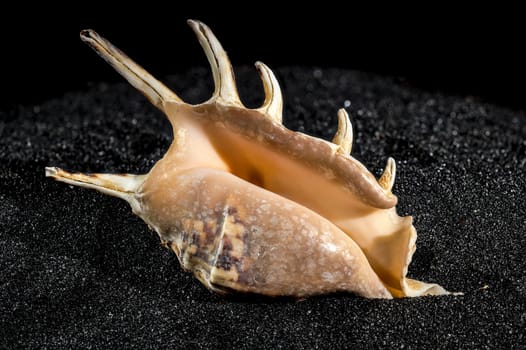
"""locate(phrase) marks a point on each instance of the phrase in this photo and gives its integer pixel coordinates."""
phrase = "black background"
(78, 270)
(469, 51)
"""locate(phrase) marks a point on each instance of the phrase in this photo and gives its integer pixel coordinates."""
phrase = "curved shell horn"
(156, 92)
(344, 135)
(273, 104)
(225, 84)
(388, 177)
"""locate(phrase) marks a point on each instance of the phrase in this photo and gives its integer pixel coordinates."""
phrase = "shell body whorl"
(220, 228)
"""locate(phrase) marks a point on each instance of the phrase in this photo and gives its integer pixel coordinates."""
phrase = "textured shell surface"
(250, 206)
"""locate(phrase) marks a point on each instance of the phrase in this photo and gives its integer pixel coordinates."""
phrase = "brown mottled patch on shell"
(195, 248)
(215, 248)
(233, 260)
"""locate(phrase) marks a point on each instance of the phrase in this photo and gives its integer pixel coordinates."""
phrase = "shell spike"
(344, 135)
(273, 104)
(224, 80)
(124, 186)
(156, 92)
(387, 179)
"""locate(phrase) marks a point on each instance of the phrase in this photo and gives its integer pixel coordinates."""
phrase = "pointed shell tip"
(51, 171)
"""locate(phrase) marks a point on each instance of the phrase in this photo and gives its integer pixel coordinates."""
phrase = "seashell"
(248, 205)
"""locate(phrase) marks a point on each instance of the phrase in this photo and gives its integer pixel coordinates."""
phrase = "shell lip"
(323, 156)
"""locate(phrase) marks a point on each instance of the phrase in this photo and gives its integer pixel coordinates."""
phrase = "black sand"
(79, 270)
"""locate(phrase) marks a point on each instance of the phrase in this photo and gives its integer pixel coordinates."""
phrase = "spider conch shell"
(250, 206)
